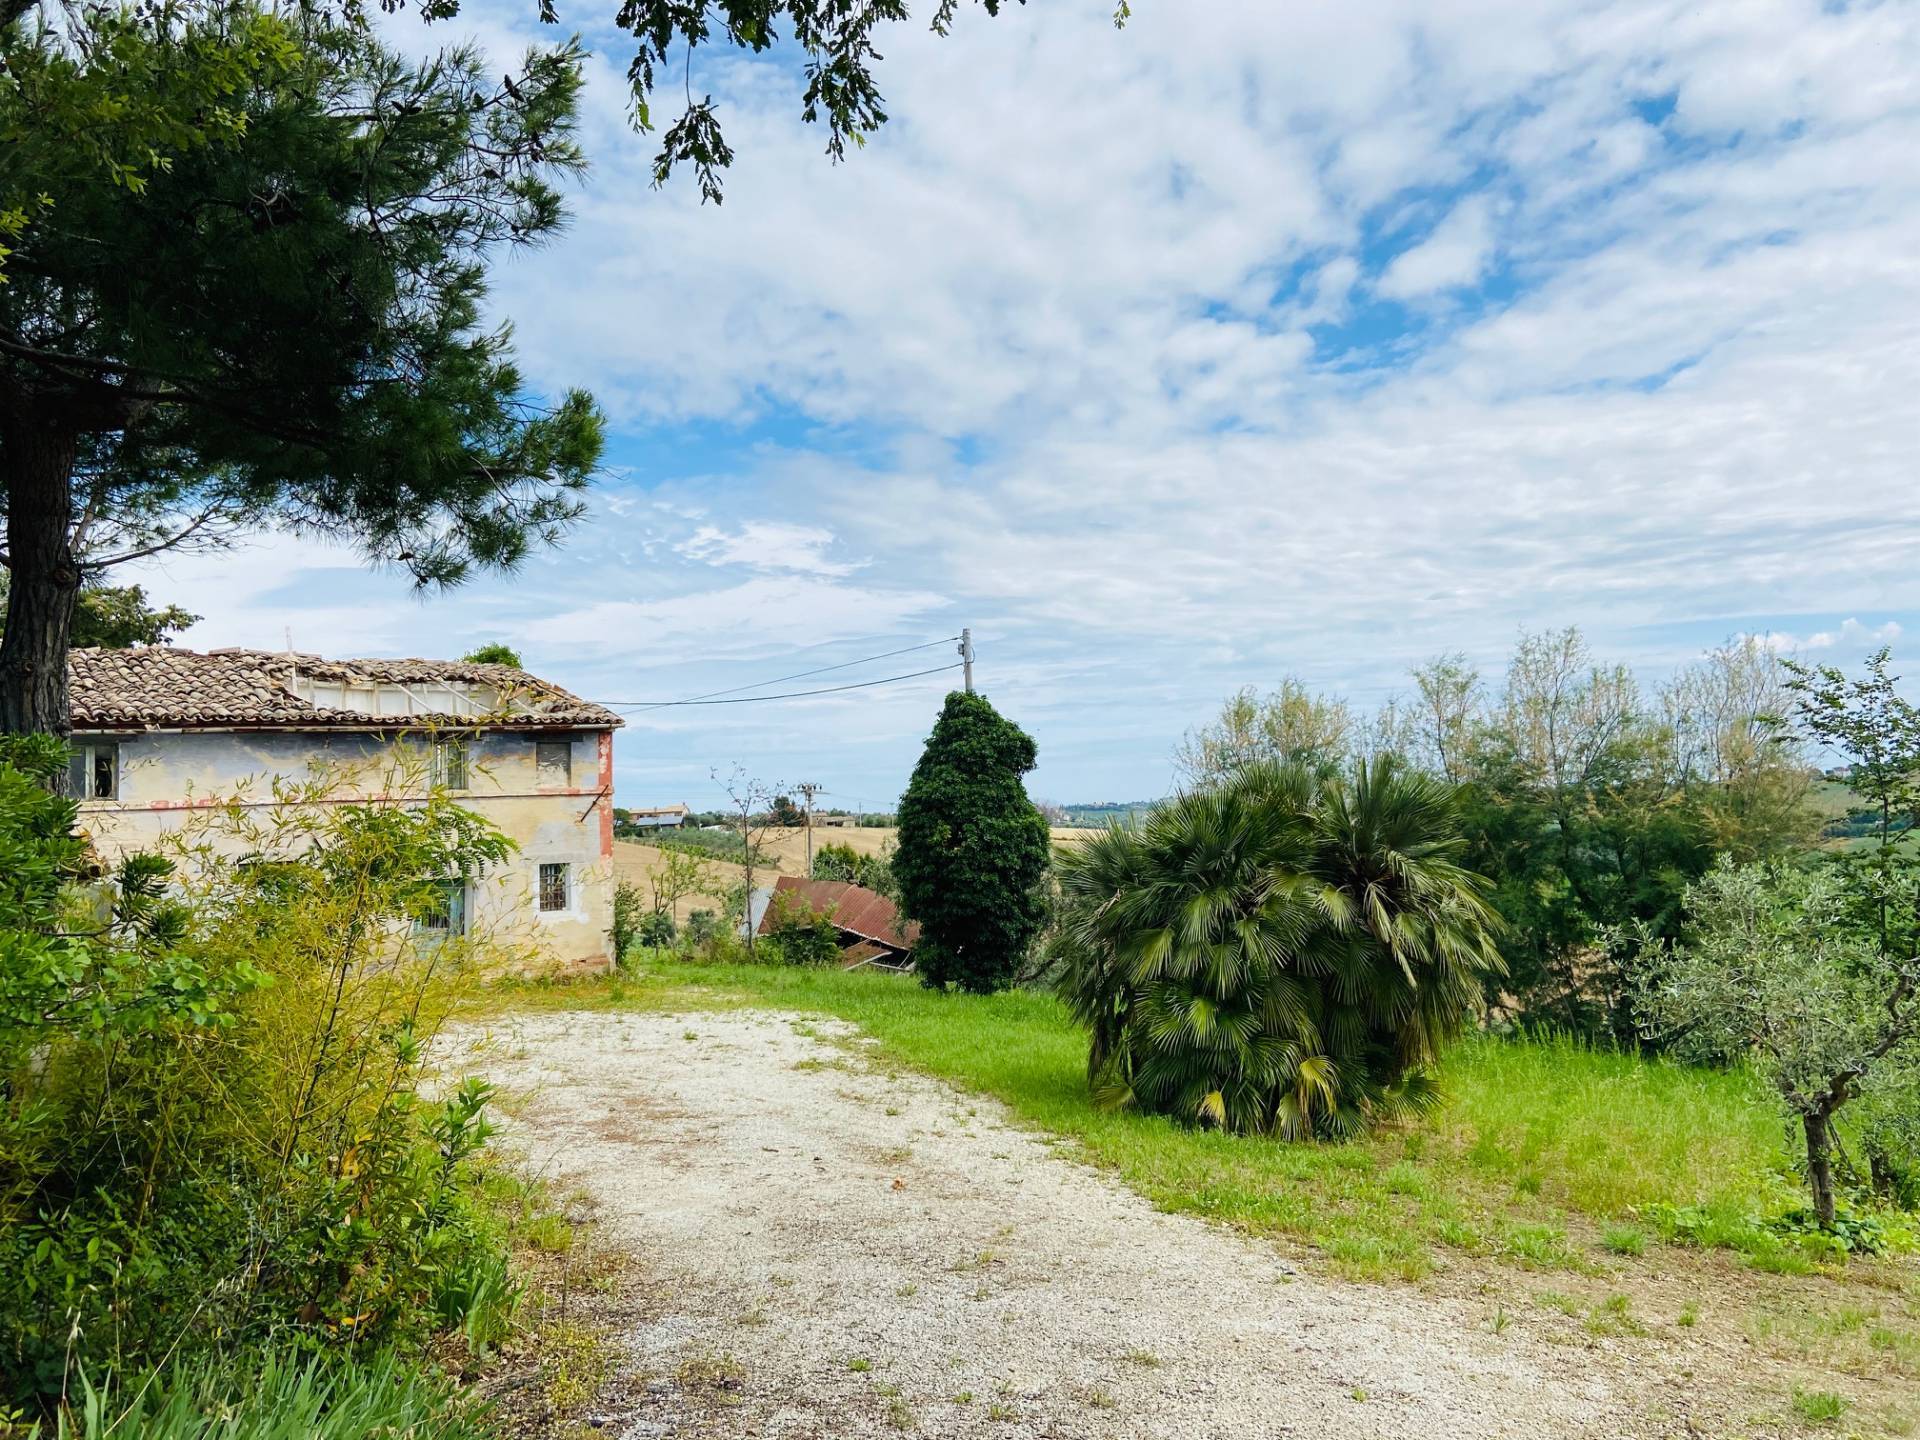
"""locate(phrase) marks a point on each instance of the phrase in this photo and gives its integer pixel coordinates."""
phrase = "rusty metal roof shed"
(855, 909)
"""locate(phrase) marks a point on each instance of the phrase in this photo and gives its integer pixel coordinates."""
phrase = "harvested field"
(786, 853)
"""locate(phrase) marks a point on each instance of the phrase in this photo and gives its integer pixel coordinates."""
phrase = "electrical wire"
(789, 694)
(710, 695)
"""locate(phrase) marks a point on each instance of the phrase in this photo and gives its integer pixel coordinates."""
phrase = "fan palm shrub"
(1284, 951)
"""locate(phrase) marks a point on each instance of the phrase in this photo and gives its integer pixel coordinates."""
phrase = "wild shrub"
(215, 1125)
(837, 860)
(799, 934)
(629, 909)
(1287, 950)
(702, 928)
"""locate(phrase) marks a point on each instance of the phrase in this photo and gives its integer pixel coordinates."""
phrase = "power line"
(782, 679)
(786, 695)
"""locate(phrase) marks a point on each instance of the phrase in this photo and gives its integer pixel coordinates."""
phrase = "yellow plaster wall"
(166, 777)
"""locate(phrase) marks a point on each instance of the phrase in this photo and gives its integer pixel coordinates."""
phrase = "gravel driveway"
(836, 1253)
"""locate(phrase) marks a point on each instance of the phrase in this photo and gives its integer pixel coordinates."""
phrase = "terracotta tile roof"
(161, 687)
(855, 909)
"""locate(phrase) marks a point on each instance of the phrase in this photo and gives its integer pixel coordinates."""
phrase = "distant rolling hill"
(1104, 813)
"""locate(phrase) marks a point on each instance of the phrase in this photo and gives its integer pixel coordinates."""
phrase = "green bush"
(837, 860)
(629, 914)
(1285, 951)
(656, 930)
(214, 1129)
(800, 935)
(703, 926)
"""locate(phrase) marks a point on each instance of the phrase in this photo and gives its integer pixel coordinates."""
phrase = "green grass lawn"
(1546, 1153)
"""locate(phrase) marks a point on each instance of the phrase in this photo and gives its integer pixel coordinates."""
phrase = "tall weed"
(215, 1127)
(280, 1396)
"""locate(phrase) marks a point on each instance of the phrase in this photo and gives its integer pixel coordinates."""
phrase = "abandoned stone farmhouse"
(161, 733)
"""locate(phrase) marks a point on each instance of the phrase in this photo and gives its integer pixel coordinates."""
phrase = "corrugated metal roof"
(854, 908)
(161, 687)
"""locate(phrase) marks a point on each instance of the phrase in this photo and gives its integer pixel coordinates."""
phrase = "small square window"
(448, 767)
(554, 758)
(93, 772)
(553, 887)
(446, 913)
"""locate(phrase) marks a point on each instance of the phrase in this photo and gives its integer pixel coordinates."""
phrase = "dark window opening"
(553, 887)
(93, 772)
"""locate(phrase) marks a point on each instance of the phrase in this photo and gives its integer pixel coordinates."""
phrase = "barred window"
(446, 913)
(553, 886)
(448, 770)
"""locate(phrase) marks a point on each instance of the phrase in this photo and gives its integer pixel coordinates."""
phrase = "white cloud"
(1089, 317)
(1456, 253)
(766, 545)
(765, 616)
(1851, 635)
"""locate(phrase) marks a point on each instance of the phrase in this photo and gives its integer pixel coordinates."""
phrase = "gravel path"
(840, 1254)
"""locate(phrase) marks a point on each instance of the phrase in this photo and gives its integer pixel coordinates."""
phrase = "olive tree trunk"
(36, 479)
(1819, 1131)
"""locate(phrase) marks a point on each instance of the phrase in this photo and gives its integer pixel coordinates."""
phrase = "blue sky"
(1249, 340)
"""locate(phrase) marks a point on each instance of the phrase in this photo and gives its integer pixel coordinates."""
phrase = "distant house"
(870, 927)
(656, 817)
(159, 733)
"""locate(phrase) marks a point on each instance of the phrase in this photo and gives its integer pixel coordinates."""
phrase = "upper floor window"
(447, 767)
(554, 759)
(93, 772)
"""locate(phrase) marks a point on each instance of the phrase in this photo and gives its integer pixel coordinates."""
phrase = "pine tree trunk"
(36, 470)
(1819, 1164)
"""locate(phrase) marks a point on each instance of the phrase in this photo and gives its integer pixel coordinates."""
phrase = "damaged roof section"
(158, 687)
(863, 914)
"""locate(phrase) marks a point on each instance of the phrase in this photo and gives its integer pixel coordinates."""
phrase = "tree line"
(1588, 800)
(1651, 864)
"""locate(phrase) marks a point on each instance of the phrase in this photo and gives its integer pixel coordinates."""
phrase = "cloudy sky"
(1259, 337)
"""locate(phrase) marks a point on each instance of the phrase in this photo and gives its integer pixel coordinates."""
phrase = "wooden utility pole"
(966, 657)
(807, 790)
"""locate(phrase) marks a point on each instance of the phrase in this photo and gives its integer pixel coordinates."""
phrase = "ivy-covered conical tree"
(973, 849)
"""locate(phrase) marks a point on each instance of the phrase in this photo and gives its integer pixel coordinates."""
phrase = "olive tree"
(1776, 973)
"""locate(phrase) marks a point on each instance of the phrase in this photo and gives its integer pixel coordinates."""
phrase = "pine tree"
(973, 849)
(280, 327)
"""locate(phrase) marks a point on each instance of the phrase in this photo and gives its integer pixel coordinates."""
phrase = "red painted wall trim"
(606, 788)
